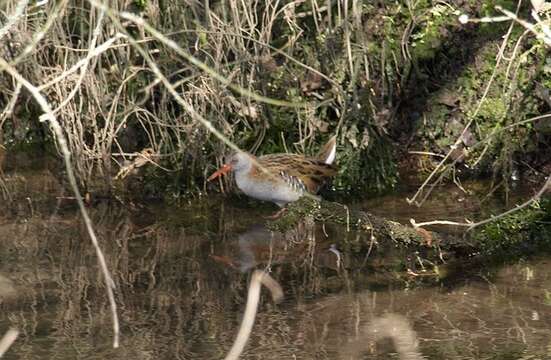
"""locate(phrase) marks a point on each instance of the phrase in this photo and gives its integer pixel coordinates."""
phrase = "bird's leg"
(277, 215)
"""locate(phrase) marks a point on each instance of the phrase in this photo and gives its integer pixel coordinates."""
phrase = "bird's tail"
(328, 152)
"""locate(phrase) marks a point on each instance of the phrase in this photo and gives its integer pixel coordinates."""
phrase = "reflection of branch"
(7, 340)
(391, 326)
(258, 278)
(60, 137)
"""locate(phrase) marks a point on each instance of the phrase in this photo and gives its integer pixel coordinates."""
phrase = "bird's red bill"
(222, 171)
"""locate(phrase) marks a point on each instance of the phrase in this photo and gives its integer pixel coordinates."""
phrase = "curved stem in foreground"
(258, 278)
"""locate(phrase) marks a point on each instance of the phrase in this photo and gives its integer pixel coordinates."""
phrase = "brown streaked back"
(312, 172)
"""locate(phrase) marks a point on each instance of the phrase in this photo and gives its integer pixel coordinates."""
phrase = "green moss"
(369, 170)
(427, 40)
(140, 4)
(510, 99)
(524, 231)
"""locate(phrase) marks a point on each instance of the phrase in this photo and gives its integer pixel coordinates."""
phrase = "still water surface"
(182, 274)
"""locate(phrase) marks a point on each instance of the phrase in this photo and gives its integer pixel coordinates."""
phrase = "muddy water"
(182, 273)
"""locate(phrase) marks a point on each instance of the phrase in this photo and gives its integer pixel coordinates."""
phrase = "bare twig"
(540, 34)
(83, 63)
(470, 225)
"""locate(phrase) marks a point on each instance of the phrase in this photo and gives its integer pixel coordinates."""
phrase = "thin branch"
(83, 63)
(470, 225)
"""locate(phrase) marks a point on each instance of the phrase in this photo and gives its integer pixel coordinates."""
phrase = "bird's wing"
(299, 170)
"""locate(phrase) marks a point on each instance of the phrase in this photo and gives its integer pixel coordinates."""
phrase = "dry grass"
(102, 69)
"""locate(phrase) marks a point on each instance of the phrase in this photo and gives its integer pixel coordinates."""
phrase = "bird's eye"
(233, 161)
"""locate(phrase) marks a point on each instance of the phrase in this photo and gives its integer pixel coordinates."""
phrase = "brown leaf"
(145, 156)
(268, 63)
(322, 126)
(427, 236)
(313, 81)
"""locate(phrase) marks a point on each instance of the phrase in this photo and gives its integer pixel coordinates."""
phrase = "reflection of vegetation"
(177, 300)
(547, 298)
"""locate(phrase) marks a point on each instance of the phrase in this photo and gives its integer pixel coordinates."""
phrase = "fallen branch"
(379, 229)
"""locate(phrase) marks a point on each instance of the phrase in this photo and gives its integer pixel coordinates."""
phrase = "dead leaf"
(322, 126)
(268, 63)
(427, 236)
(313, 81)
(468, 138)
(244, 110)
(381, 119)
(458, 153)
(351, 136)
(248, 111)
(145, 156)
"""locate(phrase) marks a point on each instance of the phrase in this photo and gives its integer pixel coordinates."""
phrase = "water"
(182, 274)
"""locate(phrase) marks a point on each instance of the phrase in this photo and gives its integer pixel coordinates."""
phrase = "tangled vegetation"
(139, 83)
